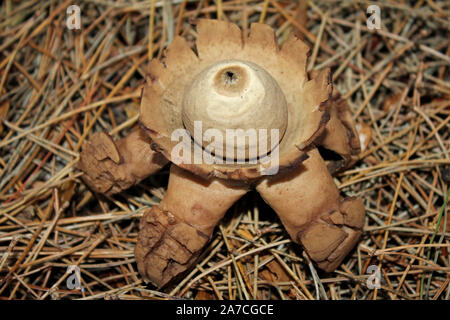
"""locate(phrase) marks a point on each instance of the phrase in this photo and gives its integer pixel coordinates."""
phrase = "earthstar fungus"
(234, 82)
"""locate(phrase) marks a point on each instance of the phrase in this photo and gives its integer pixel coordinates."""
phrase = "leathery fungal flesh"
(233, 81)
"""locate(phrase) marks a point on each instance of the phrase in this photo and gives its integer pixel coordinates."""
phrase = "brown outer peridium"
(303, 193)
(111, 167)
(340, 134)
(173, 232)
(313, 213)
(217, 41)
